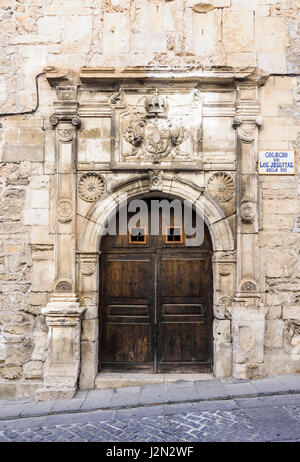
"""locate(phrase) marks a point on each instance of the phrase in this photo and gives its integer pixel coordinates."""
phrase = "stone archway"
(88, 257)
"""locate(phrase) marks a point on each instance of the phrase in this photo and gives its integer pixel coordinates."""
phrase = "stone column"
(63, 313)
(248, 313)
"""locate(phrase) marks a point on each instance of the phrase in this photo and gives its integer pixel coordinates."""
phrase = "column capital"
(70, 119)
(246, 127)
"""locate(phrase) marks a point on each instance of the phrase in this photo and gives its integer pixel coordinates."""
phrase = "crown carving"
(156, 105)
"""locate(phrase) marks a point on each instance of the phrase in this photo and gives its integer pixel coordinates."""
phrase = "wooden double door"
(155, 310)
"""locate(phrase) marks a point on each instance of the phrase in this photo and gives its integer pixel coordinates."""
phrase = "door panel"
(127, 312)
(180, 277)
(183, 318)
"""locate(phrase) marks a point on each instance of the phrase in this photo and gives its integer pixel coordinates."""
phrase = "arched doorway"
(155, 312)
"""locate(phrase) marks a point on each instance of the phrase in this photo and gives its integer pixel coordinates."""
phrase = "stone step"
(119, 380)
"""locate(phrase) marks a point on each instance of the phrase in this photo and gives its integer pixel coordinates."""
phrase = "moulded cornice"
(100, 75)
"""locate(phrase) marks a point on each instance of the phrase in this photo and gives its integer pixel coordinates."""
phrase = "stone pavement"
(259, 410)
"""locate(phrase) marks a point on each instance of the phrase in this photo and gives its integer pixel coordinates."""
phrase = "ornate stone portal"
(132, 132)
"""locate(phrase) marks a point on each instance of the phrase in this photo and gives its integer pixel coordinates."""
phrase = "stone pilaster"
(248, 314)
(88, 287)
(63, 312)
(65, 122)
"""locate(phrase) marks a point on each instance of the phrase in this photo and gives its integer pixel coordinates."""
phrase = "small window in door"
(137, 236)
(173, 235)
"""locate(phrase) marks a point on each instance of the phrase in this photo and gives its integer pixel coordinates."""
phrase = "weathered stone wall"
(279, 236)
(70, 34)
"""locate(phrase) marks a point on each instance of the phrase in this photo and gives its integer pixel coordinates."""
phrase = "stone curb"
(159, 403)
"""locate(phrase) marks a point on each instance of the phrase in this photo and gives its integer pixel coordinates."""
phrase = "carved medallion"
(221, 186)
(224, 269)
(248, 286)
(247, 211)
(153, 135)
(86, 301)
(88, 267)
(65, 134)
(156, 178)
(63, 286)
(91, 186)
(64, 210)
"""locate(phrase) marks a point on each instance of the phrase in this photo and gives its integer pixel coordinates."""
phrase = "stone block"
(89, 364)
(18, 350)
(33, 370)
(272, 62)
(37, 299)
(41, 235)
(18, 153)
(238, 31)
(89, 330)
(279, 263)
(39, 346)
(241, 59)
(31, 136)
(248, 371)
(274, 333)
(50, 25)
(17, 329)
(91, 312)
(8, 390)
(38, 199)
(274, 312)
(80, 43)
(272, 98)
(280, 298)
(222, 331)
(222, 359)
(221, 3)
(291, 312)
(115, 33)
(280, 206)
(248, 325)
(43, 275)
(11, 372)
(36, 217)
(276, 362)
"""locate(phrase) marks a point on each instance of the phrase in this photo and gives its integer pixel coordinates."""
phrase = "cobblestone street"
(269, 418)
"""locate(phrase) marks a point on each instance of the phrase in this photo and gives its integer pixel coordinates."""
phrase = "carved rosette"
(91, 186)
(221, 186)
(64, 210)
(155, 179)
(247, 211)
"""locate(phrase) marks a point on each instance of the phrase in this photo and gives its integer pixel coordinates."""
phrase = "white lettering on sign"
(276, 163)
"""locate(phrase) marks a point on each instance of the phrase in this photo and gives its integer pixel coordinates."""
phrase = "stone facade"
(229, 70)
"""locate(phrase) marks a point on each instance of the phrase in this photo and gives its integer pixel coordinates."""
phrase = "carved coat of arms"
(153, 135)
